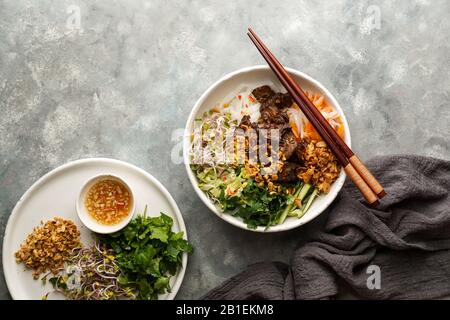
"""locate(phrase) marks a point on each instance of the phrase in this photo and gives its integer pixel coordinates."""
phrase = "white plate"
(55, 194)
(249, 78)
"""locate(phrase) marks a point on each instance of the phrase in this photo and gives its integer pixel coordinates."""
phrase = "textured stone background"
(121, 84)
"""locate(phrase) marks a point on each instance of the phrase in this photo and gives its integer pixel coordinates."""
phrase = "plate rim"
(65, 166)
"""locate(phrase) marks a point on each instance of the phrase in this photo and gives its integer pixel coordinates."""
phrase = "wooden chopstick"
(352, 157)
(288, 82)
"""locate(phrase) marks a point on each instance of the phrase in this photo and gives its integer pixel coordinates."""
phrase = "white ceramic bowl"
(88, 220)
(223, 90)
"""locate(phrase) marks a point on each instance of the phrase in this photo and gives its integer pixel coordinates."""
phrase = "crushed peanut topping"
(49, 246)
(320, 165)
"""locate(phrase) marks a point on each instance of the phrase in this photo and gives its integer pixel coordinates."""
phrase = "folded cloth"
(399, 250)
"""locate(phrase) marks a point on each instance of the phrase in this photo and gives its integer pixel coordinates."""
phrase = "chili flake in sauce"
(108, 201)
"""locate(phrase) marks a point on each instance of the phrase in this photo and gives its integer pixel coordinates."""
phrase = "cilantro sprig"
(148, 252)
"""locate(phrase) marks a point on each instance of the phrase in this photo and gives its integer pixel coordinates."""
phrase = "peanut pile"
(49, 246)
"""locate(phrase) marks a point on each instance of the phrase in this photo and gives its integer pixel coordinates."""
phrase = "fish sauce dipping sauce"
(105, 204)
(108, 201)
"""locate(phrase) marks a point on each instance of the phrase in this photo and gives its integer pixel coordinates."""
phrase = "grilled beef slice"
(262, 93)
(289, 172)
(288, 144)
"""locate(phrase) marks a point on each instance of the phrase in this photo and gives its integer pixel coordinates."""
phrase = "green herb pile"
(255, 205)
(147, 252)
(243, 197)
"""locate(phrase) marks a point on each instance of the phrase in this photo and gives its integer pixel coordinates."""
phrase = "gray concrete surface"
(119, 82)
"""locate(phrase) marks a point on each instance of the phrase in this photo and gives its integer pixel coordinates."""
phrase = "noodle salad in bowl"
(256, 160)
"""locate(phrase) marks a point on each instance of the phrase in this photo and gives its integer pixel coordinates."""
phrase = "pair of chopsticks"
(353, 167)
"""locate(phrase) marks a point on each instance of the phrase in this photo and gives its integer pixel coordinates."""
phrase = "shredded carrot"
(251, 99)
(239, 97)
(311, 132)
(328, 109)
(295, 130)
(314, 135)
(340, 131)
(340, 127)
(319, 102)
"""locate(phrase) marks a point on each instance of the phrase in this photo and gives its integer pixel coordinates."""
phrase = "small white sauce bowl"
(86, 217)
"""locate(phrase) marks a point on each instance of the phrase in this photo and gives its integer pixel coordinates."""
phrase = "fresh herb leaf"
(148, 252)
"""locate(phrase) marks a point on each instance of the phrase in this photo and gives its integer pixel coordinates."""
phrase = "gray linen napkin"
(407, 237)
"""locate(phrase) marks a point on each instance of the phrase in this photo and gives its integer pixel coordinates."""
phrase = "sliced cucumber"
(308, 204)
(304, 191)
(299, 194)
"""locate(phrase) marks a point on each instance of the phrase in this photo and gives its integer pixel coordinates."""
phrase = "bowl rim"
(90, 223)
(207, 201)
